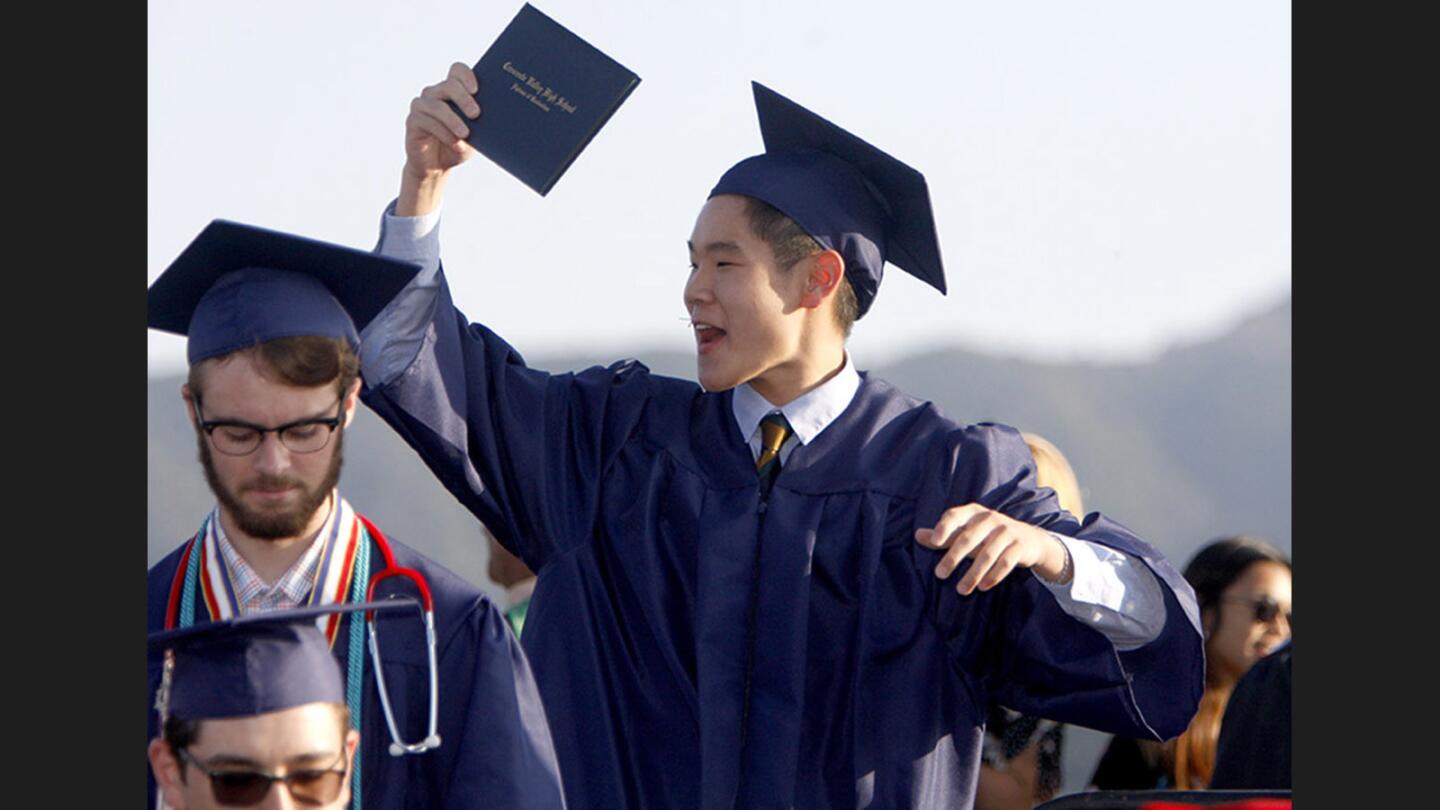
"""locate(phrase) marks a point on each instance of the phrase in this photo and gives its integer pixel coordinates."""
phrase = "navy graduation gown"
(495, 749)
(859, 680)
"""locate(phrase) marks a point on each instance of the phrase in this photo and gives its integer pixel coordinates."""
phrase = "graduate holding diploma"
(790, 585)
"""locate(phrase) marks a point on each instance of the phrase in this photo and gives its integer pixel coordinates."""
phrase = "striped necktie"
(774, 430)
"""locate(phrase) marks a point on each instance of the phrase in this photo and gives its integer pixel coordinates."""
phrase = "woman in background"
(1242, 585)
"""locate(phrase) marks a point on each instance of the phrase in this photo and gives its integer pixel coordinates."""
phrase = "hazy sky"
(1108, 178)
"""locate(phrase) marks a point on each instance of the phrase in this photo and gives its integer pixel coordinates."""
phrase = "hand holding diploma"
(435, 140)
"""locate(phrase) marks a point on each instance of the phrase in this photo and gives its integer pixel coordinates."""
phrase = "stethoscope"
(426, 606)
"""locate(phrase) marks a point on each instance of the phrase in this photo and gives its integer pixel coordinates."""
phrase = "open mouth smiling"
(707, 336)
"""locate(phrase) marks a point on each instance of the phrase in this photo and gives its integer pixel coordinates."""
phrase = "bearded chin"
(273, 525)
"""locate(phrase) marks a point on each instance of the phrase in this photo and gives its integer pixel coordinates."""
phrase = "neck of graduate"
(271, 558)
(820, 356)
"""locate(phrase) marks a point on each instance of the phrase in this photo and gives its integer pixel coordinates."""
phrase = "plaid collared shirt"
(289, 591)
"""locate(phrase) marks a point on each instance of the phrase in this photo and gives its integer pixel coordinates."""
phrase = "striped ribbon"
(343, 567)
(334, 575)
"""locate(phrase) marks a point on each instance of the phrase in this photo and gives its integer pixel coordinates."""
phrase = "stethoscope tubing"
(399, 747)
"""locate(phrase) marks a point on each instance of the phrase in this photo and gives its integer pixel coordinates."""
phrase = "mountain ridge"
(1183, 448)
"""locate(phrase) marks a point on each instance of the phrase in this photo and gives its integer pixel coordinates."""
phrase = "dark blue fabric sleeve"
(504, 754)
(496, 749)
(1033, 657)
(522, 449)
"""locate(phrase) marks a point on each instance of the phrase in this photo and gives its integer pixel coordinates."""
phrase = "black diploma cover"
(544, 93)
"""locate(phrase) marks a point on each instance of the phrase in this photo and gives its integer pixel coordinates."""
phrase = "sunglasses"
(1266, 609)
(248, 788)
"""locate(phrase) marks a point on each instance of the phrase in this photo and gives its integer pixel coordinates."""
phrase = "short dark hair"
(181, 733)
(304, 361)
(790, 243)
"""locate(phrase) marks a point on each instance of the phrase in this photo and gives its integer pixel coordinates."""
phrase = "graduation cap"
(849, 196)
(238, 285)
(254, 664)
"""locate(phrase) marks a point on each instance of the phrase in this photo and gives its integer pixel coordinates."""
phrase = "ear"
(1209, 617)
(189, 397)
(351, 397)
(823, 278)
(167, 773)
(352, 744)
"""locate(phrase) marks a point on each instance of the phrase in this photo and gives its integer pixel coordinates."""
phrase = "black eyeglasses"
(235, 438)
(1266, 609)
(307, 786)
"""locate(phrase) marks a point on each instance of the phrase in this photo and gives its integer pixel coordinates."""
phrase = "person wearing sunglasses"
(444, 695)
(1243, 586)
(280, 725)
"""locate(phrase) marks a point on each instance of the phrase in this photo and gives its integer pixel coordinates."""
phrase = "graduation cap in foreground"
(254, 664)
(238, 285)
(848, 195)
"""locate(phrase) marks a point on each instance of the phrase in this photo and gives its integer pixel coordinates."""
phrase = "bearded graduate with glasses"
(444, 695)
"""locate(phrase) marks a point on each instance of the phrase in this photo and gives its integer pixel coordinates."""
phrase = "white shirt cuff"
(414, 239)
(1112, 592)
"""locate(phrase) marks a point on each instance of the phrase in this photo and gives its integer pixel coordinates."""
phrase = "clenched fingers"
(461, 72)
(435, 118)
(453, 89)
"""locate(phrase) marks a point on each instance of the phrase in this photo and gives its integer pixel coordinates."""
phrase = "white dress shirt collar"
(291, 589)
(807, 414)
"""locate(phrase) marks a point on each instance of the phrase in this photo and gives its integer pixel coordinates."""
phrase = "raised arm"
(520, 448)
(410, 227)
